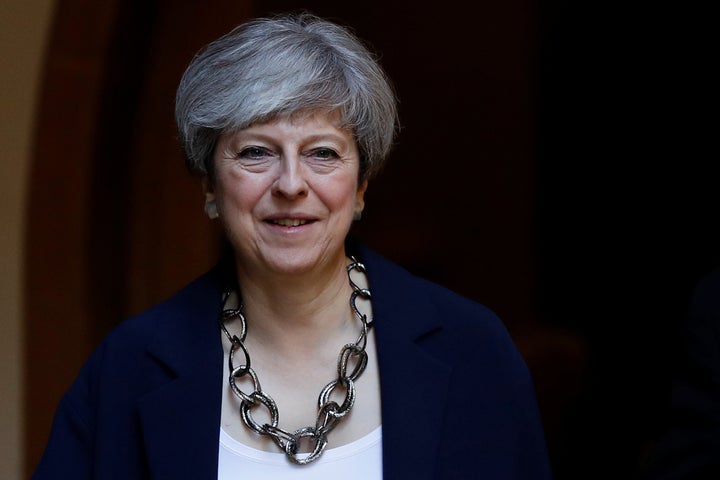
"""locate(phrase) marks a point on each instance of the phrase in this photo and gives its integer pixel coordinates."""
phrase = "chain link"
(352, 358)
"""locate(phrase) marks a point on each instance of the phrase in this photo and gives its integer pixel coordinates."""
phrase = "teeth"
(290, 222)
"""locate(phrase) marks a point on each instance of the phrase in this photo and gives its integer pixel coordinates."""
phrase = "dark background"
(555, 162)
(626, 210)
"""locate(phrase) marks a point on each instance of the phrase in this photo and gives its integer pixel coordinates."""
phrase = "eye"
(324, 154)
(253, 153)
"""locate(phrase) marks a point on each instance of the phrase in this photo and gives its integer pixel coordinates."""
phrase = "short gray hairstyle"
(279, 66)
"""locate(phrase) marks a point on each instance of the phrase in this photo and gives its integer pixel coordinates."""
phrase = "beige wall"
(24, 26)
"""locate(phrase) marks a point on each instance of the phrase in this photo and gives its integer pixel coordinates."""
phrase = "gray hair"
(280, 66)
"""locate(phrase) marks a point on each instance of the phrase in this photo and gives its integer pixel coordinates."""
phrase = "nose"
(290, 182)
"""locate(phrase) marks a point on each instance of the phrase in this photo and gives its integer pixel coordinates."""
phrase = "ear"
(360, 197)
(210, 204)
(208, 189)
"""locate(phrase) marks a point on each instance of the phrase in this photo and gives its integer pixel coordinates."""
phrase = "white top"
(361, 459)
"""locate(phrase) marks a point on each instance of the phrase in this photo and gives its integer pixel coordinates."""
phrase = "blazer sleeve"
(534, 462)
(69, 450)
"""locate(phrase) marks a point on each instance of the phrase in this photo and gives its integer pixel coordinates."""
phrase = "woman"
(281, 363)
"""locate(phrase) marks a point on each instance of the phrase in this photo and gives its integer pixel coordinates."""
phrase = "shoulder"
(138, 350)
(171, 317)
(459, 330)
(472, 337)
(389, 279)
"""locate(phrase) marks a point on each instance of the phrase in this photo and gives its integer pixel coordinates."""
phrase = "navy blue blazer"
(457, 398)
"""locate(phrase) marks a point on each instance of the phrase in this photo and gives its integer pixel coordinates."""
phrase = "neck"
(297, 308)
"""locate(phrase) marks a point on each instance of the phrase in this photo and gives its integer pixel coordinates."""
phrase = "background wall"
(553, 164)
(627, 210)
(23, 32)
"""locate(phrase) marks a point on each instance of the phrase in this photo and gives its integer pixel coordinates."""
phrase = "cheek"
(340, 195)
(237, 192)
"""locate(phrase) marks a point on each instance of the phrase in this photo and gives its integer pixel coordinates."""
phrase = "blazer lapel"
(413, 391)
(181, 418)
(413, 384)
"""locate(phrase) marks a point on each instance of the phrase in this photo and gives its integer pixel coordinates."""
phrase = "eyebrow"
(269, 138)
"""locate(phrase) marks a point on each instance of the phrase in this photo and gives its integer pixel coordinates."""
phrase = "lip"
(289, 221)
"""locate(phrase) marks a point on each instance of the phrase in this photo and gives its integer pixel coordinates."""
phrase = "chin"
(274, 259)
(293, 262)
(292, 269)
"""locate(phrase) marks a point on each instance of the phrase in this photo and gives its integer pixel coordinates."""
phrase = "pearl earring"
(211, 209)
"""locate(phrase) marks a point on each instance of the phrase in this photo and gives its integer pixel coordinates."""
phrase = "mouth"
(288, 222)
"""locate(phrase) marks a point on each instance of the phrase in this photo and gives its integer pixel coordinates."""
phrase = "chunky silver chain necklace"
(351, 364)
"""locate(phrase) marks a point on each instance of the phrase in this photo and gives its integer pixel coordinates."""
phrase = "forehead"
(316, 122)
(308, 117)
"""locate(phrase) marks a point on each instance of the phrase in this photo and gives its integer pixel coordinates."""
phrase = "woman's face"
(286, 191)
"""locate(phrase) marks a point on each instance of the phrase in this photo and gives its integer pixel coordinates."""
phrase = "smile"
(289, 222)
